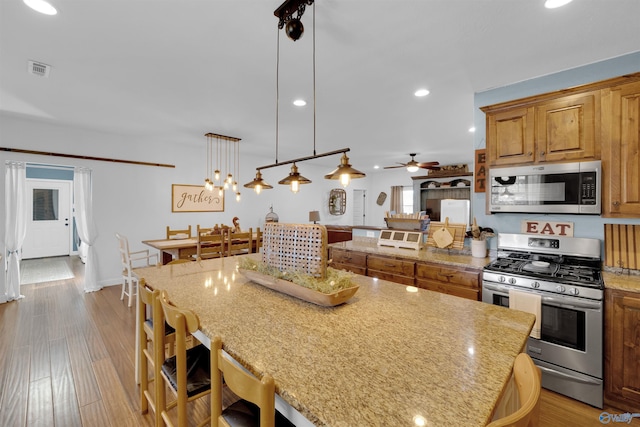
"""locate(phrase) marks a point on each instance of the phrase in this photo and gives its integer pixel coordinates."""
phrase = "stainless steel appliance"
(555, 188)
(566, 273)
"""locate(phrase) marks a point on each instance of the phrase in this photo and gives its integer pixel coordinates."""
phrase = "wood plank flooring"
(67, 359)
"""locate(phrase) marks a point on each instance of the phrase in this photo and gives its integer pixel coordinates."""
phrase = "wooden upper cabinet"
(510, 136)
(544, 129)
(621, 150)
(566, 128)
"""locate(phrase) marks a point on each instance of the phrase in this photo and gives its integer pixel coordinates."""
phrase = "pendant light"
(227, 152)
(344, 172)
(258, 183)
(294, 179)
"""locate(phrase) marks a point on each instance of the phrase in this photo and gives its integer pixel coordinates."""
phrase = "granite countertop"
(386, 357)
(429, 254)
(623, 282)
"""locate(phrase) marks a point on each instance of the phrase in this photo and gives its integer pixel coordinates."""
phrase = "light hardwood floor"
(67, 359)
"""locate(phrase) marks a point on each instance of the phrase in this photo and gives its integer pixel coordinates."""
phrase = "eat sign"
(547, 228)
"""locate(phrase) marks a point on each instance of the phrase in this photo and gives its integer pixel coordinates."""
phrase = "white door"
(359, 216)
(49, 222)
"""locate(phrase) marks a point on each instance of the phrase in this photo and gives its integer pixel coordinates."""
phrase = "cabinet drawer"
(445, 288)
(341, 256)
(390, 265)
(404, 280)
(440, 273)
(348, 267)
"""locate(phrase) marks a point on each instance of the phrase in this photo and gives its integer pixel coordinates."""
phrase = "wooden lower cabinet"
(622, 350)
(342, 259)
(391, 269)
(458, 281)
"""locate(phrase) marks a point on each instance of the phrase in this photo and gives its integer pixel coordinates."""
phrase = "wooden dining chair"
(188, 373)
(203, 230)
(211, 246)
(527, 378)
(153, 336)
(129, 260)
(240, 243)
(256, 406)
(258, 240)
(176, 232)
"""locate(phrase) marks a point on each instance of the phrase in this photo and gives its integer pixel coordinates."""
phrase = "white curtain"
(15, 227)
(83, 202)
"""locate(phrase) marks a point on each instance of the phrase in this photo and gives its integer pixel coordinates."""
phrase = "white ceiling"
(177, 69)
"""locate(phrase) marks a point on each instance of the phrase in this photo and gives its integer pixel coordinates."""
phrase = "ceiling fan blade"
(393, 167)
(423, 164)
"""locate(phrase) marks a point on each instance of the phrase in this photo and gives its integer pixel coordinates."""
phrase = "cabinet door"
(566, 128)
(390, 265)
(622, 352)
(510, 136)
(621, 151)
(448, 274)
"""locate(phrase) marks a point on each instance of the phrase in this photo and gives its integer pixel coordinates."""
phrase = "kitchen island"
(391, 356)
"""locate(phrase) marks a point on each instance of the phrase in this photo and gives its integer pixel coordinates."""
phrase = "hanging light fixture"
(258, 183)
(294, 30)
(344, 172)
(227, 153)
(294, 179)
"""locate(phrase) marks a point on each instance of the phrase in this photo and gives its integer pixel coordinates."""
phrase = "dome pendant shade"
(294, 179)
(344, 172)
(258, 184)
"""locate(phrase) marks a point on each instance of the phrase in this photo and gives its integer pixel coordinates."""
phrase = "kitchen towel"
(531, 303)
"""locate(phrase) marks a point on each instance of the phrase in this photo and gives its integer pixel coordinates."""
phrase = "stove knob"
(560, 288)
(574, 291)
(535, 285)
(501, 279)
(512, 280)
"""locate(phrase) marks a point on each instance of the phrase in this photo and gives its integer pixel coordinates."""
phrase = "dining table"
(392, 355)
(180, 248)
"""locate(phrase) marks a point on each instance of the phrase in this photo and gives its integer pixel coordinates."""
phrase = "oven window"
(560, 326)
(563, 326)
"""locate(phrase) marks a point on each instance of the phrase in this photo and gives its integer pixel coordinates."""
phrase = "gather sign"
(195, 198)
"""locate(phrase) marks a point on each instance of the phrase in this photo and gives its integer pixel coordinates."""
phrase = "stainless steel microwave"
(570, 188)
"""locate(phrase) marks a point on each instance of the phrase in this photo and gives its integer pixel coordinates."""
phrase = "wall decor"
(480, 176)
(337, 201)
(381, 198)
(195, 198)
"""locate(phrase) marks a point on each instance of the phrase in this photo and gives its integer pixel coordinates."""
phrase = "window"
(407, 200)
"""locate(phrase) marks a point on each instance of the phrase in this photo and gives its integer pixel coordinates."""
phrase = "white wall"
(135, 200)
(585, 225)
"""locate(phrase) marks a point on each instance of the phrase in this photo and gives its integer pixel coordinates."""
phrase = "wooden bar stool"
(152, 332)
(256, 406)
(188, 373)
(527, 378)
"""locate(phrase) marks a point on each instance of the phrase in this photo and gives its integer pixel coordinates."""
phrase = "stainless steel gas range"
(566, 273)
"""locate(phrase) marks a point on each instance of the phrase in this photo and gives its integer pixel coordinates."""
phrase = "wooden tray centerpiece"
(294, 262)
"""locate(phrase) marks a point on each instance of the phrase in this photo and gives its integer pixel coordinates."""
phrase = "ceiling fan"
(413, 166)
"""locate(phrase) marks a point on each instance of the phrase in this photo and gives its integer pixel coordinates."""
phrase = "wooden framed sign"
(194, 198)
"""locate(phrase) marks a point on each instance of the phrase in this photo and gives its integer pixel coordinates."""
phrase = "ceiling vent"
(38, 69)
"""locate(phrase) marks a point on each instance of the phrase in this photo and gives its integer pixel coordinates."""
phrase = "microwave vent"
(38, 69)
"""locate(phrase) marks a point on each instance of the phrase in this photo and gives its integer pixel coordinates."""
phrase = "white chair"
(128, 260)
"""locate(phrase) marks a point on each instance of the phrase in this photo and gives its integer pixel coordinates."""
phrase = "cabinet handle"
(448, 276)
(542, 153)
(530, 153)
(616, 203)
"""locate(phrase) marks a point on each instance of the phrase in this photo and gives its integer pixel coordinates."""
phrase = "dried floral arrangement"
(336, 280)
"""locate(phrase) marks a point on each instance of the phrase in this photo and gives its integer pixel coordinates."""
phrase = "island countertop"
(442, 256)
(386, 357)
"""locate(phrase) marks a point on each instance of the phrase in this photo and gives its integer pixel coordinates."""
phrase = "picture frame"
(195, 198)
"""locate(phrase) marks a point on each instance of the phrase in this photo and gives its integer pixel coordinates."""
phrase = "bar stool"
(256, 406)
(188, 373)
(151, 330)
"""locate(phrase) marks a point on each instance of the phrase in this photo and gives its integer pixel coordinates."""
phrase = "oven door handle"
(567, 376)
(552, 301)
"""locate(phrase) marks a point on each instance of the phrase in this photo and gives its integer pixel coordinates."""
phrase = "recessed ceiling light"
(376, 167)
(472, 129)
(41, 6)
(299, 102)
(552, 4)
(421, 92)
